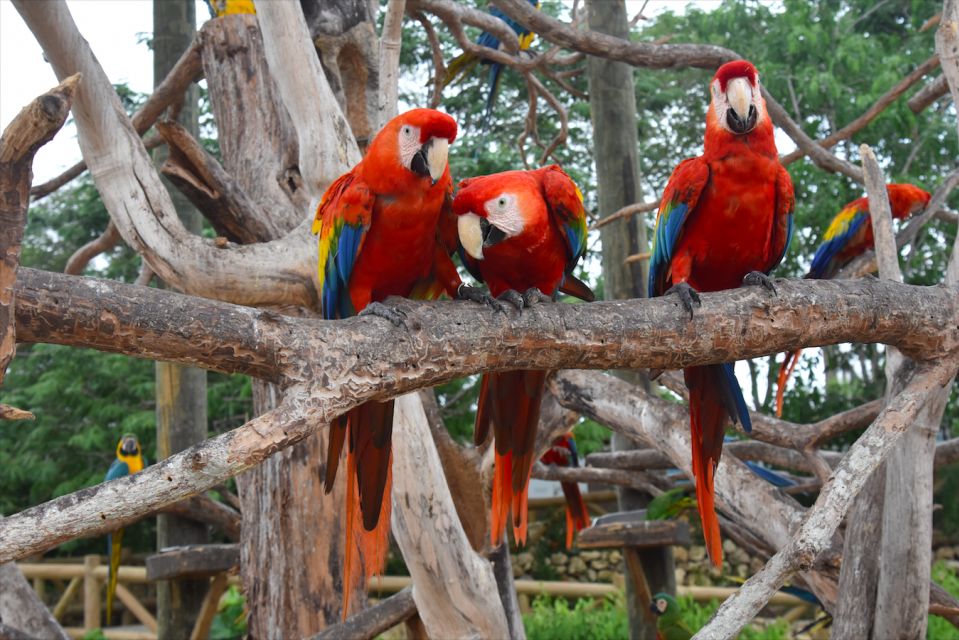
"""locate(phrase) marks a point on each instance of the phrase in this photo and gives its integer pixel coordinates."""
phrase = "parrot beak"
(430, 160)
(129, 446)
(741, 116)
(477, 233)
(471, 234)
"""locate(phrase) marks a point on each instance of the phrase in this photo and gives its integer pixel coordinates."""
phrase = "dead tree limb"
(822, 520)
(947, 46)
(33, 127)
(22, 610)
(210, 188)
(372, 622)
(629, 479)
(391, 42)
(433, 541)
(101, 244)
(931, 92)
(281, 272)
(185, 72)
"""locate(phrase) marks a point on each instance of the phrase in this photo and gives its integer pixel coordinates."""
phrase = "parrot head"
(664, 606)
(419, 140)
(906, 199)
(128, 446)
(737, 102)
(494, 208)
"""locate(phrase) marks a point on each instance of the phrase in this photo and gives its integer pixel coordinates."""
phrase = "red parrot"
(563, 454)
(519, 231)
(386, 229)
(725, 220)
(848, 236)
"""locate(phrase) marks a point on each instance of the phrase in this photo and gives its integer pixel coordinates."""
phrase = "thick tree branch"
(391, 43)
(281, 272)
(619, 477)
(371, 622)
(33, 127)
(947, 46)
(931, 92)
(22, 610)
(348, 362)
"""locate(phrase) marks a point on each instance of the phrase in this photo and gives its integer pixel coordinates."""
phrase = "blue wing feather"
(828, 250)
(733, 392)
(118, 469)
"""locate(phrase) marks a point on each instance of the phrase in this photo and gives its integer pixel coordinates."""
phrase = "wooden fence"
(91, 578)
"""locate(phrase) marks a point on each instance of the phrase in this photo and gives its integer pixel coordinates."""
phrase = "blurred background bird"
(129, 460)
(669, 622)
(463, 64)
(229, 7)
(563, 454)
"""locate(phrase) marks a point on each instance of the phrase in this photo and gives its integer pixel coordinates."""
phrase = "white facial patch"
(741, 92)
(409, 143)
(503, 212)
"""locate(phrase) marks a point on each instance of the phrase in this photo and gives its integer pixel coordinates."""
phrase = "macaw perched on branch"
(129, 460)
(848, 236)
(563, 454)
(519, 231)
(386, 229)
(725, 220)
(464, 63)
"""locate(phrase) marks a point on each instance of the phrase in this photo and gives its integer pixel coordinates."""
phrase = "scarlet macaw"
(463, 63)
(129, 460)
(725, 220)
(519, 231)
(847, 237)
(563, 454)
(385, 228)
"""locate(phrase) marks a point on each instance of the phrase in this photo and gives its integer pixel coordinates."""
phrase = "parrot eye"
(408, 131)
(502, 203)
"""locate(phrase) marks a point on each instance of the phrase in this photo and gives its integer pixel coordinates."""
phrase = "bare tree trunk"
(613, 113)
(181, 416)
(21, 609)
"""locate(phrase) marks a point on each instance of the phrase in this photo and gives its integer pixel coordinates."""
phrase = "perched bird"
(466, 61)
(518, 231)
(669, 622)
(725, 220)
(385, 228)
(229, 7)
(848, 236)
(669, 504)
(129, 460)
(563, 454)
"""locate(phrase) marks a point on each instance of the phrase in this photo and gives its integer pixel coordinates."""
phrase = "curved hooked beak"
(430, 159)
(741, 116)
(477, 233)
(129, 446)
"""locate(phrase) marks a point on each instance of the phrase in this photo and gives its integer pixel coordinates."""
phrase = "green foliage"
(93, 634)
(940, 628)
(230, 620)
(696, 615)
(588, 619)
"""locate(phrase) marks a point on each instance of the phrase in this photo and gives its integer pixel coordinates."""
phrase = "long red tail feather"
(333, 450)
(370, 478)
(707, 425)
(577, 517)
(511, 401)
(785, 371)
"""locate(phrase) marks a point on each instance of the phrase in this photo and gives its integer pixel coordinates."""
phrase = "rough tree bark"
(181, 416)
(613, 114)
(22, 610)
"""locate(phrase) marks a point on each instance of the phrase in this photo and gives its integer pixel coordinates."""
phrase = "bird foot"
(525, 300)
(513, 297)
(396, 316)
(758, 278)
(475, 294)
(687, 296)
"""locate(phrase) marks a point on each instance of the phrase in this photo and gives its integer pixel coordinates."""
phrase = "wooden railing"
(91, 576)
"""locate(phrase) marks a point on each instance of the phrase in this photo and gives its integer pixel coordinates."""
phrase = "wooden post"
(180, 391)
(613, 113)
(68, 594)
(91, 593)
(201, 631)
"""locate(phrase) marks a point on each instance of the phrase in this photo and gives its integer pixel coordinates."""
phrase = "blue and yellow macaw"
(129, 460)
(229, 7)
(463, 63)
